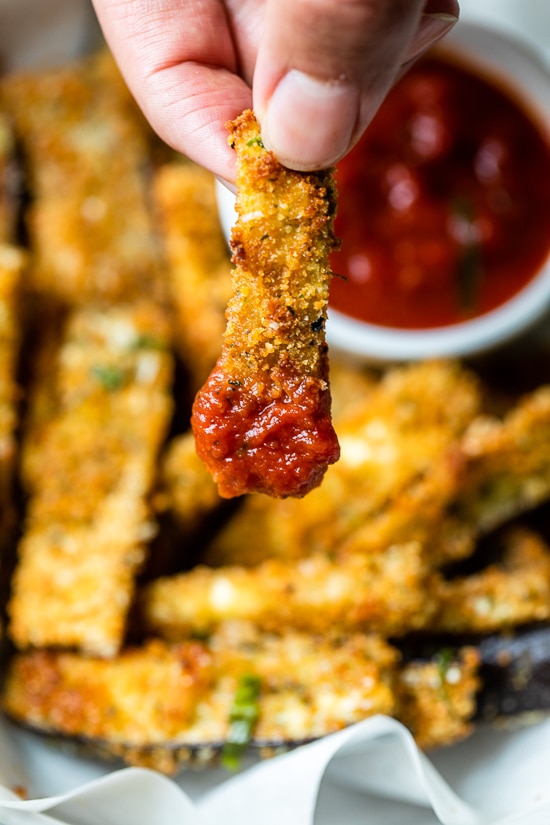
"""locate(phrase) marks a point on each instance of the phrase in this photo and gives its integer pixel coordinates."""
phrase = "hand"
(315, 71)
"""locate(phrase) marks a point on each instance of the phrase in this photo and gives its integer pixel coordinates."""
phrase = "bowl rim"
(477, 335)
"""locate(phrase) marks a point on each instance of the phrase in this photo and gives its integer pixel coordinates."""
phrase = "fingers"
(180, 62)
(321, 71)
(324, 66)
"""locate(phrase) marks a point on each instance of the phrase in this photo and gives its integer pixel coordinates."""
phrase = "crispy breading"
(414, 513)
(436, 700)
(351, 384)
(311, 685)
(262, 421)
(89, 222)
(505, 594)
(506, 472)
(86, 530)
(403, 434)
(176, 697)
(385, 592)
(151, 691)
(289, 591)
(508, 468)
(198, 264)
(191, 492)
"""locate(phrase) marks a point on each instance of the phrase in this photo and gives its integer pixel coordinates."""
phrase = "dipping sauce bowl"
(444, 207)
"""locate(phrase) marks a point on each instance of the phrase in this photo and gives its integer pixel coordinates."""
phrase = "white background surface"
(526, 19)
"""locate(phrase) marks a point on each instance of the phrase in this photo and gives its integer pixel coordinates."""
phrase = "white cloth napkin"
(369, 774)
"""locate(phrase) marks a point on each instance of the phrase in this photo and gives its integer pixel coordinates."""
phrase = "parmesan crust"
(262, 420)
(88, 527)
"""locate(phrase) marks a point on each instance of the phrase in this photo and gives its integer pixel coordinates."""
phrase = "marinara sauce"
(444, 205)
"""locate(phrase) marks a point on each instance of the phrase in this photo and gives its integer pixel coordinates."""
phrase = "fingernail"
(308, 123)
(432, 28)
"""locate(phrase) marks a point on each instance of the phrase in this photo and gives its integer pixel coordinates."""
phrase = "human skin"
(314, 71)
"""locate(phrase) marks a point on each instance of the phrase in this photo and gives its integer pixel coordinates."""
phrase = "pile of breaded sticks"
(146, 616)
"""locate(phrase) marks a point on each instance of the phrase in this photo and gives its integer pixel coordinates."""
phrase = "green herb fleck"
(147, 342)
(255, 141)
(243, 717)
(469, 271)
(110, 377)
(443, 659)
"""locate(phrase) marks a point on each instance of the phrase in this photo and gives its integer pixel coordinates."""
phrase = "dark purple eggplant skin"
(514, 668)
(515, 673)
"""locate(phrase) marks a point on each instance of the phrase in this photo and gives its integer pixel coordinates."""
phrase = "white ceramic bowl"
(497, 56)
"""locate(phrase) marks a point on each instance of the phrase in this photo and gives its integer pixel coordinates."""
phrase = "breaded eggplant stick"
(87, 528)
(514, 591)
(166, 706)
(263, 422)
(154, 705)
(187, 487)
(436, 700)
(86, 155)
(387, 593)
(506, 471)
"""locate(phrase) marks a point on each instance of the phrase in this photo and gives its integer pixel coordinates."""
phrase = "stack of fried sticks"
(140, 602)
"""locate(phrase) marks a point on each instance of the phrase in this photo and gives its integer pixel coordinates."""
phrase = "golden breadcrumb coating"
(508, 593)
(188, 488)
(86, 530)
(436, 700)
(262, 421)
(178, 696)
(308, 599)
(386, 592)
(85, 151)
(506, 472)
(508, 462)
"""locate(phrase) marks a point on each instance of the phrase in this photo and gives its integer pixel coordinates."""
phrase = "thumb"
(324, 66)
